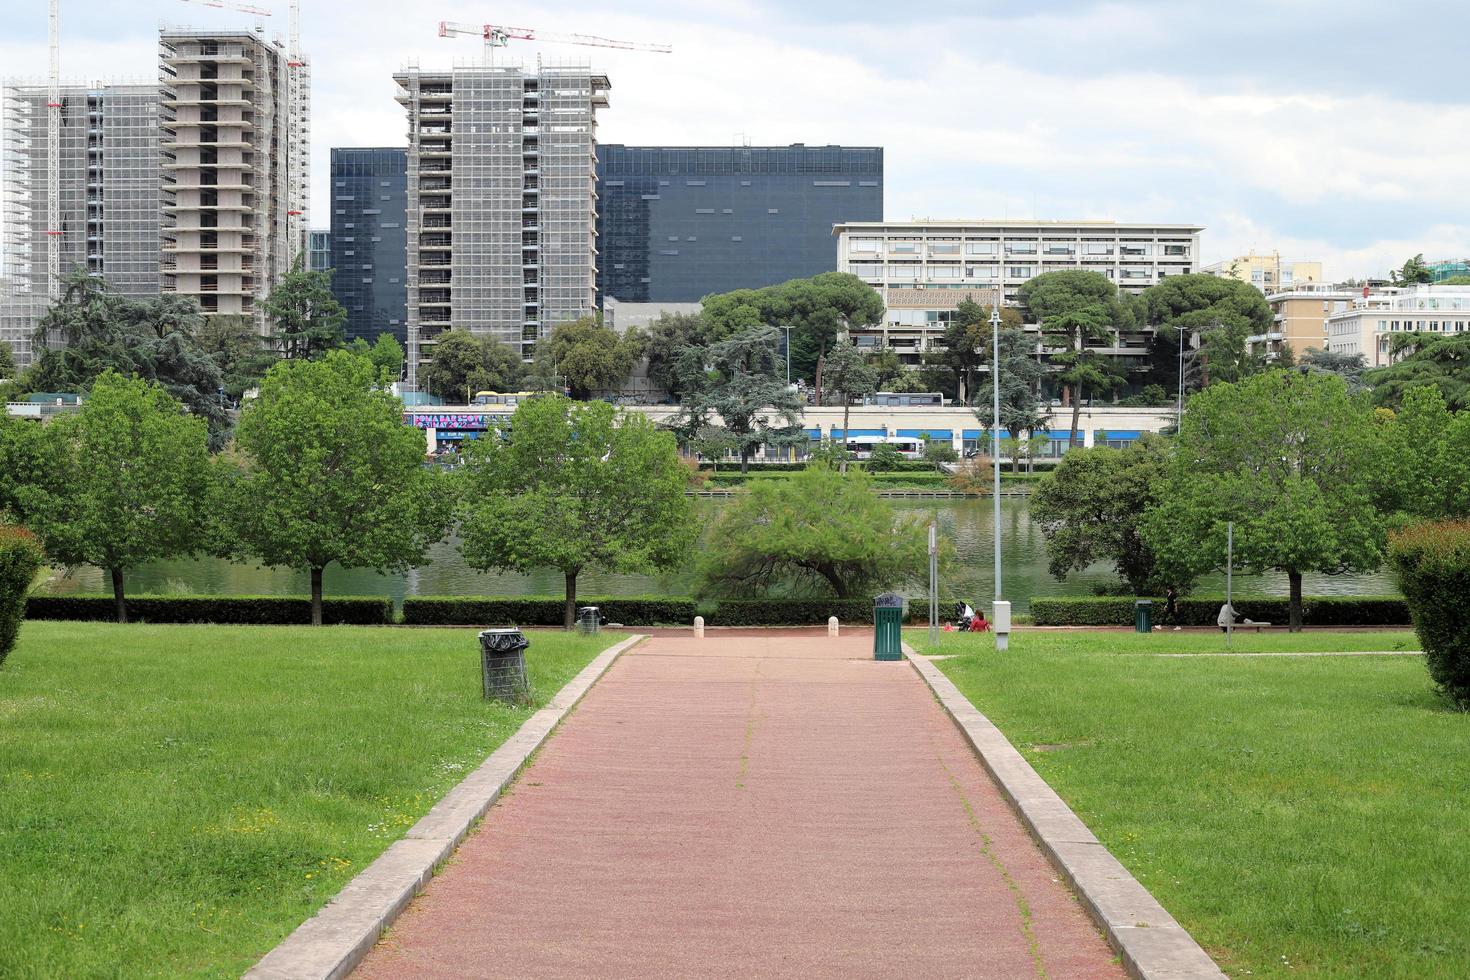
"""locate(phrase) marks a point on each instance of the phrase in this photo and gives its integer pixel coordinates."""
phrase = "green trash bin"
(1143, 616)
(888, 626)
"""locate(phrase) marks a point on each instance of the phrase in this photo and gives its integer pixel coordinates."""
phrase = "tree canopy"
(307, 321)
(1076, 308)
(242, 354)
(1021, 407)
(966, 345)
(1294, 460)
(850, 376)
(754, 404)
(1091, 509)
(124, 481)
(98, 330)
(1413, 271)
(575, 487)
(332, 474)
(464, 363)
(820, 532)
(588, 356)
(1438, 360)
(1223, 311)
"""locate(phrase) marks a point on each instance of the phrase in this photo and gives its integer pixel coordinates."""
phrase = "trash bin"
(503, 664)
(888, 611)
(589, 620)
(1143, 616)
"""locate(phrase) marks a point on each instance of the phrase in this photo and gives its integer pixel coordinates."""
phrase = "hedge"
(255, 610)
(1432, 563)
(808, 612)
(543, 610)
(20, 558)
(1205, 610)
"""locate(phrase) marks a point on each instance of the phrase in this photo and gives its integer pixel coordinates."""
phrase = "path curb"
(332, 942)
(1152, 945)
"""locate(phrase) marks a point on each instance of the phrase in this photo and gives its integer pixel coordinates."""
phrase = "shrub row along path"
(749, 805)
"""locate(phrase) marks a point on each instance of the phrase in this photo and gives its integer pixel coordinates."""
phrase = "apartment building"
(501, 201)
(234, 127)
(1368, 324)
(923, 269)
(1301, 314)
(677, 223)
(1268, 273)
(369, 239)
(109, 200)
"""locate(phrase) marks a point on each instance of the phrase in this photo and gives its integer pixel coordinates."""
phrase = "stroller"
(966, 621)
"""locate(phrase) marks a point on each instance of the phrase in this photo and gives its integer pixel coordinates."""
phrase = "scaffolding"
(502, 205)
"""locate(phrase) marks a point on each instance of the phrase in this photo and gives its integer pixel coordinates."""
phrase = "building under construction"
(233, 165)
(109, 201)
(502, 202)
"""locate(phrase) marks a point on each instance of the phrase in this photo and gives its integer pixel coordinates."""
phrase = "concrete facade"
(502, 202)
(923, 269)
(1301, 318)
(1368, 325)
(1268, 273)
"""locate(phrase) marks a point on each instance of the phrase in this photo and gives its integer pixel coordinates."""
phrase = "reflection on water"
(968, 523)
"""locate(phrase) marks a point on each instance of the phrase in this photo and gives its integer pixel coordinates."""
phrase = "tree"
(385, 353)
(1091, 508)
(1224, 312)
(849, 376)
(817, 310)
(1426, 472)
(1349, 367)
(1413, 271)
(1077, 308)
(887, 366)
(1021, 407)
(667, 342)
(1435, 360)
(1293, 460)
(98, 331)
(7, 361)
(575, 486)
(820, 532)
(966, 344)
(126, 478)
(589, 356)
(939, 452)
(755, 406)
(333, 475)
(23, 465)
(307, 319)
(240, 352)
(464, 364)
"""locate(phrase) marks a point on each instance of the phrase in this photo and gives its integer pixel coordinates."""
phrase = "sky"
(1331, 131)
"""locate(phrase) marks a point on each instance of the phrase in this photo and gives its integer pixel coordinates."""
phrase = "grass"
(1169, 642)
(1301, 816)
(174, 800)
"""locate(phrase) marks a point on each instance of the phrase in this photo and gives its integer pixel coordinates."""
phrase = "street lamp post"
(1001, 611)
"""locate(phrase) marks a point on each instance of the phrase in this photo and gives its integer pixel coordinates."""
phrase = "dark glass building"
(369, 242)
(676, 223)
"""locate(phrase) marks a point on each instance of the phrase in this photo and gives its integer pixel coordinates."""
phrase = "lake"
(967, 522)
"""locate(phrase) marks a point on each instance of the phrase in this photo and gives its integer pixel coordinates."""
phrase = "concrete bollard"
(832, 626)
(699, 627)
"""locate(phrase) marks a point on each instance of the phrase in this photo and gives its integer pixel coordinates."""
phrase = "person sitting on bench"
(1227, 617)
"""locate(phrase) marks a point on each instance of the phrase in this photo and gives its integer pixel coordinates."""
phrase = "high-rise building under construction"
(233, 216)
(502, 202)
(109, 196)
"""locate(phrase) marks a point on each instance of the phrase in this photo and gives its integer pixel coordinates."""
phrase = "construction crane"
(498, 36)
(53, 160)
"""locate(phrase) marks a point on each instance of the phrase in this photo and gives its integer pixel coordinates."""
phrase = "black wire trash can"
(503, 664)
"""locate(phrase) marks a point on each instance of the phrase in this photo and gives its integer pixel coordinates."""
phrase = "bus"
(905, 399)
(862, 446)
(507, 399)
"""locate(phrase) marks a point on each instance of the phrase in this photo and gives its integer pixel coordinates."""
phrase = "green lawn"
(1301, 816)
(174, 800)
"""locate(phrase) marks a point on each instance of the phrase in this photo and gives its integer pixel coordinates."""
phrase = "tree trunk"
(817, 381)
(1015, 450)
(846, 438)
(119, 603)
(1074, 438)
(316, 595)
(744, 462)
(1296, 599)
(570, 614)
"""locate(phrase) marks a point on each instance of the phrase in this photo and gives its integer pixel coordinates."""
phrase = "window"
(1176, 250)
(981, 248)
(1097, 248)
(864, 245)
(904, 248)
(1059, 248)
(944, 272)
(1020, 248)
(944, 248)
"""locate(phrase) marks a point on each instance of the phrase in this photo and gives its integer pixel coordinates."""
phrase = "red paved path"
(749, 806)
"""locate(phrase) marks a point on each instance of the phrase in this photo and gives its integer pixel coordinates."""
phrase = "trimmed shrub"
(808, 612)
(1432, 563)
(543, 610)
(1205, 610)
(235, 610)
(20, 558)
